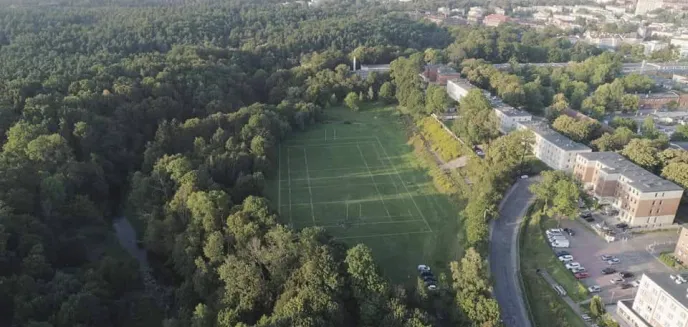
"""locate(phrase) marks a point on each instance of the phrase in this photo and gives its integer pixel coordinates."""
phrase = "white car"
(566, 258)
(423, 268)
(573, 265)
(557, 238)
(560, 244)
(613, 261)
(594, 289)
(635, 283)
(550, 234)
(617, 280)
(578, 270)
(555, 230)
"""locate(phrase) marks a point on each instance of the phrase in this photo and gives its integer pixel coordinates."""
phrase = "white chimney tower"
(354, 65)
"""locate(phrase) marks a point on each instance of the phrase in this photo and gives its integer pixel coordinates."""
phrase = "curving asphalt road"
(504, 255)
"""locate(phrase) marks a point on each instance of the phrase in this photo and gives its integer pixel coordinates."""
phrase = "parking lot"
(587, 248)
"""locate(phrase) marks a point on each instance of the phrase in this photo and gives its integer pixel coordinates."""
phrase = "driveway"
(504, 255)
(587, 248)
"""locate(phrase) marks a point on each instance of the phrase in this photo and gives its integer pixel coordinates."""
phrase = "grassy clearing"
(356, 176)
(546, 305)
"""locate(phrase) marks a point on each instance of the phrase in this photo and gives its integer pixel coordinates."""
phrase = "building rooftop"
(659, 95)
(462, 83)
(384, 67)
(560, 141)
(510, 111)
(641, 179)
(677, 291)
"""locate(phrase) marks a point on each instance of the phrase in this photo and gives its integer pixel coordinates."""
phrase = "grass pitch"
(356, 177)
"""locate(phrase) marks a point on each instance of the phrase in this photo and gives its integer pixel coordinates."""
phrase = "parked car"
(617, 280)
(524, 176)
(581, 275)
(579, 269)
(613, 261)
(626, 286)
(422, 268)
(573, 265)
(608, 271)
(432, 287)
(589, 219)
(425, 274)
(560, 244)
(566, 258)
(625, 274)
(560, 253)
(429, 278)
(622, 225)
(570, 231)
(586, 317)
(635, 283)
(605, 257)
(586, 215)
(554, 230)
(554, 233)
(557, 238)
(594, 289)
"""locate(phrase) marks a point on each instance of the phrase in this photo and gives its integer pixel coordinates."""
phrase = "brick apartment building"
(642, 198)
(495, 20)
(681, 251)
(439, 74)
(657, 100)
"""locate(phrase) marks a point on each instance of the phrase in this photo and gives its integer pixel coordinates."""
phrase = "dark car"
(626, 285)
(560, 253)
(569, 231)
(586, 215)
(625, 274)
(608, 271)
(622, 225)
(426, 274)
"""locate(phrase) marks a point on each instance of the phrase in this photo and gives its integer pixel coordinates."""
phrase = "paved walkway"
(576, 308)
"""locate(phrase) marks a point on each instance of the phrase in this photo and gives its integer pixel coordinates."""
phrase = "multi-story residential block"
(495, 20)
(652, 46)
(555, 150)
(439, 74)
(681, 250)
(642, 198)
(475, 14)
(659, 302)
(645, 6)
(509, 117)
(458, 88)
(657, 100)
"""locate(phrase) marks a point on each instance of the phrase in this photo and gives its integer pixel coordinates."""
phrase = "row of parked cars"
(427, 276)
(557, 237)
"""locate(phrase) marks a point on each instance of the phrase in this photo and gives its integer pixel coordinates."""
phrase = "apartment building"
(509, 117)
(657, 100)
(645, 6)
(681, 250)
(642, 198)
(458, 88)
(555, 150)
(438, 74)
(659, 302)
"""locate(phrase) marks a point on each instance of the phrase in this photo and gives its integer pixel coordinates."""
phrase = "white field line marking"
(310, 191)
(350, 138)
(395, 197)
(379, 158)
(291, 220)
(402, 183)
(338, 186)
(333, 169)
(373, 179)
(279, 182)
(350, 176)
(381, 235)
(329, 144)
(378, 222)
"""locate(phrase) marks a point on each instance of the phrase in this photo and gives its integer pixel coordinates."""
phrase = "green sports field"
(355, 176)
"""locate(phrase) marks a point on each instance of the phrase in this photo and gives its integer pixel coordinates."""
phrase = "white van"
(560, 244)
(557, 238)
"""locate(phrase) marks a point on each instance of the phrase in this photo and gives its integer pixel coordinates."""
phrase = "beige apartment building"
(681, 251)
(642, 198)
(556, 150)
(659, 302)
